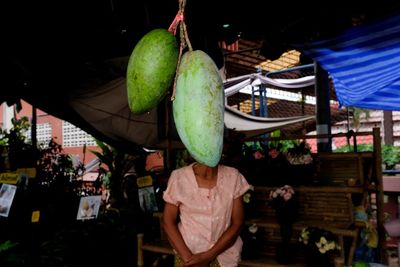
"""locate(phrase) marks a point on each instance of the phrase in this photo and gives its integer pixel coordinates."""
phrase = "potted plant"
(320, 244)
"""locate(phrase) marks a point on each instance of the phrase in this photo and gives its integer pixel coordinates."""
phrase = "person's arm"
(170, 225)
(227, 239)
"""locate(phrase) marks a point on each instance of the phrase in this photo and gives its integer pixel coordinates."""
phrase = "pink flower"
(285, 192)
(273, 153)
(287, 196)
(258, 155)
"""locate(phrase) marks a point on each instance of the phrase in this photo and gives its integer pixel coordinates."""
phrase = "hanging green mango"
(151, 70)
(198, 108)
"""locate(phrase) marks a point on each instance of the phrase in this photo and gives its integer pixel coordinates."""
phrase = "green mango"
(198, 108)
(151, 70)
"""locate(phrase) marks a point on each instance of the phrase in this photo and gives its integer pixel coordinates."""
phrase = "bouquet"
(318, 239)
(299, 154)
(282, 200)
(281, 195)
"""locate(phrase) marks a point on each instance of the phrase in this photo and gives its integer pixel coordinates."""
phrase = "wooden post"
(140, 262)
(388, 127)
(379, 197)
(322, 109)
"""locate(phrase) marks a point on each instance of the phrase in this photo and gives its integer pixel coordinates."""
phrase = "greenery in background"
(8, 257)
(350, 148)
(282, 145)
(16, 136)
(357, 114)
(390, 156)
(390, 153)
(15, 142)
(7, 245)
(183, 158)
(60, 240)
(117, 163)
(55, 166)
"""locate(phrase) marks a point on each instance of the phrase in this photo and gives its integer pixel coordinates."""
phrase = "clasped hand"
(199, 260)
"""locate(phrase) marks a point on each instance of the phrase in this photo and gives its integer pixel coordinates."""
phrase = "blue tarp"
(364, 64)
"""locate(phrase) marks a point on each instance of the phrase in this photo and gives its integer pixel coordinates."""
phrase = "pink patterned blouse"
(205, 214)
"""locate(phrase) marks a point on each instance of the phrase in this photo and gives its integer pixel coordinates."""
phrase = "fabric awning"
(106, 109)
(252, 125)
(364, 64)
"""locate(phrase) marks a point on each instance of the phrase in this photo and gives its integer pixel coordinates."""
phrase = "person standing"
(203, 215)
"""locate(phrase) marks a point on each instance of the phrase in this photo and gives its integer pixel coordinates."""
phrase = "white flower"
(331, 245)
(323, 240)
(246, 197)
(253, 228)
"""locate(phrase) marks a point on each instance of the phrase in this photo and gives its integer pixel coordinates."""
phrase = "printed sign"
(147, 199)
(35, 216)
(89, 207)
(7, 193)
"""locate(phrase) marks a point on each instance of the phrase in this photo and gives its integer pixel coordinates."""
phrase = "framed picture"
(147, 199)
(88, 207)
(7, 193)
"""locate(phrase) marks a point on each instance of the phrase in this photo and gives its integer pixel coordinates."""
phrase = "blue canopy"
(364, 64)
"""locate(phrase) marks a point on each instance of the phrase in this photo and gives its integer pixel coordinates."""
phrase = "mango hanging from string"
(151, 70)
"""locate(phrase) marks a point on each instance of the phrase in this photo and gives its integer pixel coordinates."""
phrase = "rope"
(184, 38)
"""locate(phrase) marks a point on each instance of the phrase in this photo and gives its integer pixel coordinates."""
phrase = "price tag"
(35, 216)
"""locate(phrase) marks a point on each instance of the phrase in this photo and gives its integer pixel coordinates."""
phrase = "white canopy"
(106, 109)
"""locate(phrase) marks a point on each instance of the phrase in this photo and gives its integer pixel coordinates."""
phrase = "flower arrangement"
(320, 240)
(282, 200)
(273, 153)
(281, 195)
(299, 154)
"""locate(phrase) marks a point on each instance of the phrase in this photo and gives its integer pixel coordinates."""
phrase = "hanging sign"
(30, 172)
(144, 181)
(9, 177)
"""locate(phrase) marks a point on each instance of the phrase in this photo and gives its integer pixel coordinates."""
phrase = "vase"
(285, 211)
(318, 259)
(285, 252)
(285, 214)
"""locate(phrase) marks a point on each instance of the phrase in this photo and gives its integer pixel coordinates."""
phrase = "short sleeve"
(241, 186)
(170, 194)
